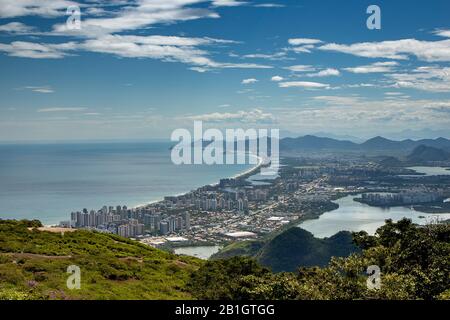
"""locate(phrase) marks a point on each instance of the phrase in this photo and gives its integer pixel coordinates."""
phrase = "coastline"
(250, 171)
(240, 175)
(109, 178)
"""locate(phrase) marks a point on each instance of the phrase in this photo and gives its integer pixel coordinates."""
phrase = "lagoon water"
(48, 181)
(202, 252)
(351, 216)
(431, 171)
(356, 216)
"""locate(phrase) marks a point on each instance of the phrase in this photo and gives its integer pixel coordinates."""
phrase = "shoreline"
(315, 216)
(240, 175)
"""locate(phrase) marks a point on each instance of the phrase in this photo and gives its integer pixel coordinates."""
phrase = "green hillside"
(291, 249)
(414, 263)
(297, 247)
(33, 265)
(241, 249)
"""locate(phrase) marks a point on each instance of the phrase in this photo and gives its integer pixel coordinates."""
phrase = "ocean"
(49, 181)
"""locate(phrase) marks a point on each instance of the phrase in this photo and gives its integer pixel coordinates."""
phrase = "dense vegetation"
(297, 247)
(248, 248)
(414, 263)
(33, 265)
(292, 248)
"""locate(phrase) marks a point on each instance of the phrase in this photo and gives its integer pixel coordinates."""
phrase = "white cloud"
(61, 109)
(252, 116)
(443, 33)
(303, 49)
(325, 73)
(249, 81)
(33, 50)
(237, 3)
(42, 89)
(366, 116)
(303, 41)
(300, 68)
(397, 49)
(100, 28)
(228, 3)
(339, 100)
(269, 5)
(240, 65)
(17, 28)
(303, 45)
(274, 56)
(96, 11)
(199, 69)
(146, 13)
(429, 78)
(155, 47)
(44, 8)
(391, 93)
(166, 48)
(303, 84)
(378, 67)
(360, 85)
(277, 78)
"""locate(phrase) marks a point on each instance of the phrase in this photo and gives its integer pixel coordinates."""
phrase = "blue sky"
(140, 69)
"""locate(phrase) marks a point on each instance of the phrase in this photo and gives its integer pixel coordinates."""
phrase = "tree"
(414, 263)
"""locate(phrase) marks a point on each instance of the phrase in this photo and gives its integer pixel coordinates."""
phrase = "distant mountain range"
(290, 134)
(309, 143)
(380, 145)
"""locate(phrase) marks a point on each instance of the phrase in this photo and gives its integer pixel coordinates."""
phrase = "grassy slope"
(242, 249)
(33, 264)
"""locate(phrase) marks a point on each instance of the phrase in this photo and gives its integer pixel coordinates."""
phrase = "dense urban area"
(245, 208)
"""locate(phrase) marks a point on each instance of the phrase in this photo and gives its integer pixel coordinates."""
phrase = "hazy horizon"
(348, 137)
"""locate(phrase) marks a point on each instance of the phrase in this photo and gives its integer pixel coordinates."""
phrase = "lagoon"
(431, 171)
(356, 216)
(201, 252)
